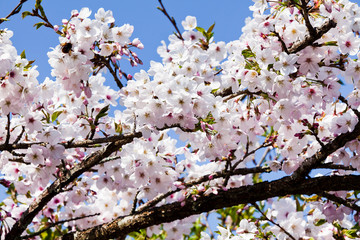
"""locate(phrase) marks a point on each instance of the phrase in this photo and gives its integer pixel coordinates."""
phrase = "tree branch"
(55, 224)
(315, 160)
(202, 179)
(245, 194)
(58, 185)
(16, 10)
(310, 39)
(172, 20)
(273, 222)
(7, 130)
(340, 200)
(69, 144)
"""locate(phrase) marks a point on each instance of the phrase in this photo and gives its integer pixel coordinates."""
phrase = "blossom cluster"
(227, 101)
(87, 45)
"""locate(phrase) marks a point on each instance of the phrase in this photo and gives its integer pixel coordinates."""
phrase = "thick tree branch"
(51, 225)
(202, 179)
(315, 160)
(245, 194)
(311, 38)
(340, 200)
(70, 144)
(58, 185)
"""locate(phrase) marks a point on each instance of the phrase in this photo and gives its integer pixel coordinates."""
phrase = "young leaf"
(26, 13)
(102, 113)
(38, 25)
(22, 55)
(211, 28)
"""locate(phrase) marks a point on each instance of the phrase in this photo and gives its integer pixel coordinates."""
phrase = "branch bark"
(16, 10)
(311, 38)
(253, 193)
(70, 144)
(58, 185)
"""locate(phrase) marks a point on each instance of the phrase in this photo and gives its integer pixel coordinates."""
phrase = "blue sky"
(151, 26)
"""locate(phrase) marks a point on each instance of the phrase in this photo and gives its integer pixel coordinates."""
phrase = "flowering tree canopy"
(270, 139)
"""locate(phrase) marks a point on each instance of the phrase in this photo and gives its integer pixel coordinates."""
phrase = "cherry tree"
(270, 139)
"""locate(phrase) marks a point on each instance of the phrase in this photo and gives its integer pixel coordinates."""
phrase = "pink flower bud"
(140, 46)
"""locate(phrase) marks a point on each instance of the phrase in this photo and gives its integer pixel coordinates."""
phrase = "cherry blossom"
(210, 119)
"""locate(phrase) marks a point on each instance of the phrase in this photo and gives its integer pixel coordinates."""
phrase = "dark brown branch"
(7, 130)
(55, 224)
(205, 178)
(247, 154)
(172, 20)
(310, 39)
(18, 138)
(305, 13)
(70, 144)
(336, 167)
(273, 222)
(315, 160)
(340, 200)
(177, 125)
(357, 113)
(16, 10)
(245, 194)
(283, 45)
(58, 185)
(113, 73)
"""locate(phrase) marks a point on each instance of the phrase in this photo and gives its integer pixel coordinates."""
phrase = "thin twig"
(305, 13)
(318, 140)
(283, 45)
(172, 20)
(8, 130)
(357, 113)
(273, 222)
(113, 73)
(16, 10)
(208, 225)
(20, 135)
(135, 202)
(241, 160)
(55, 224)
(336, 167)
(262, 159)
(340, 200)
(205, 178)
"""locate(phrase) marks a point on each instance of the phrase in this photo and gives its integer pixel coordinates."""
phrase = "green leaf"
(26, 13)
(42, 11)
(38, 25)
(102, 113)
(331, 43)
(352, 233)
(247, 53)
(200, 29)
(22, 55)
(37, 3)
(118, 128)
(211, 28)
(55, 115)
(320, 222)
